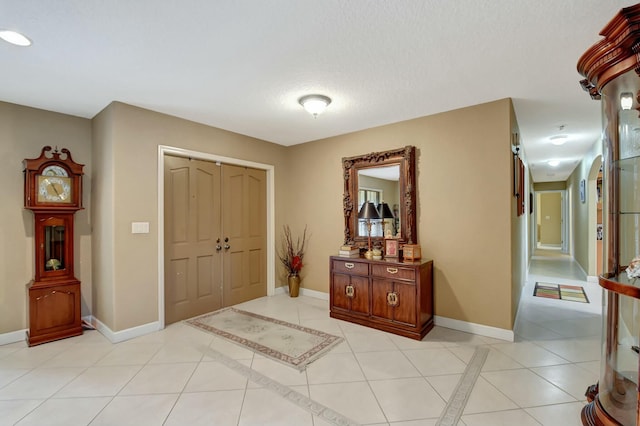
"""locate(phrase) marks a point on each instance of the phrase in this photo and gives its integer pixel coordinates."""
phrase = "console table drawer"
(352, 268)
(393, 272)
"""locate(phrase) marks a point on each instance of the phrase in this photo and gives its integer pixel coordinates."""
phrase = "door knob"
(227, 246)
(218, 247)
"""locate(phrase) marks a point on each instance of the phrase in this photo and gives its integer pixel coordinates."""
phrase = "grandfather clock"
(53, 191)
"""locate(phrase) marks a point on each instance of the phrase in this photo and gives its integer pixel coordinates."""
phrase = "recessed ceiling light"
(553, 163)
(14, 38)
(558, 139)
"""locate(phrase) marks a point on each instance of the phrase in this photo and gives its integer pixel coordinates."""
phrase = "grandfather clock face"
(53, 181)
(54, 186)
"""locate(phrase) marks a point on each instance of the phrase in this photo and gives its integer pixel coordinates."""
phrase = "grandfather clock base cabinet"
(388, 295)
(53, 188)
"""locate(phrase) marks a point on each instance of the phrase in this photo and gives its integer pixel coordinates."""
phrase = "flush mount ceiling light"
(315, 104)
(558, 139)
(626, 100)
(14, 38)
(553, 163)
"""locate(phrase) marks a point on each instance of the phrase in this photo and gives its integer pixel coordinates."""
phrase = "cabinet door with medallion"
(393, 291)
(350, 288)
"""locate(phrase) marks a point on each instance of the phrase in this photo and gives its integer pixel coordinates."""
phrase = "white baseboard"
(13, 337)
(314, 293)
(127, 334)
(479, 329)
(304, 292)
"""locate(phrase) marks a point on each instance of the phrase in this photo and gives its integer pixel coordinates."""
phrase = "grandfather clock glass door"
(54, 248)
(211, 258)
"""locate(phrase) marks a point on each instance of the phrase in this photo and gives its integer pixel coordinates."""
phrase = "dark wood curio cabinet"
(53, 191)
(612, 75)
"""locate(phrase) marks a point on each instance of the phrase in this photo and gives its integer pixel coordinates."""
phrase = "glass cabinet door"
(617, 399)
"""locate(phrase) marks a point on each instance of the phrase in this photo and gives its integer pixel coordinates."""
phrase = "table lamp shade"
(384, 211)
(368, 211)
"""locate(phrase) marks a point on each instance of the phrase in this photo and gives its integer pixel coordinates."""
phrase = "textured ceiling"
(242, 65)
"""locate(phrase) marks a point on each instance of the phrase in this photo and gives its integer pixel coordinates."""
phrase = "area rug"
(574, 293)
(291, 344)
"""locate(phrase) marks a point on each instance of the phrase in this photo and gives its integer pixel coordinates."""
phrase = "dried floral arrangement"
(291, 253)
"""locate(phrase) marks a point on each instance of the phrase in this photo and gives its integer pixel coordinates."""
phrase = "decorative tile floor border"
(315, 408)
(455, 406)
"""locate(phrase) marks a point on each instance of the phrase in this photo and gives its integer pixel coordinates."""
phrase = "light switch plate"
(139, 227)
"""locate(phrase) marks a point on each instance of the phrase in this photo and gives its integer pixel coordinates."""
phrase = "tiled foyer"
(373, 378)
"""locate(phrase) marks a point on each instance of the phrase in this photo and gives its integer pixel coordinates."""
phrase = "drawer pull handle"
(349, 265)
(392, 270)
(349, 291)
(392, 299)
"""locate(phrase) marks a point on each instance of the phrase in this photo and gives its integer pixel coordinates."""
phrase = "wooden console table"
(388, 295)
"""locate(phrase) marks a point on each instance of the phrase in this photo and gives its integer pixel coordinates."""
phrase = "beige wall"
(519, 253)
(464, 210)
(584, 214)
(129, 137)
(550, 186)
(24, 132)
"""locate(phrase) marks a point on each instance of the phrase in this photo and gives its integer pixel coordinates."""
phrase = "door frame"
(180, 152)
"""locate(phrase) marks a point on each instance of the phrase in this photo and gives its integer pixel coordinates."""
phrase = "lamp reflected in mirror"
(386, 213)
(368, 212)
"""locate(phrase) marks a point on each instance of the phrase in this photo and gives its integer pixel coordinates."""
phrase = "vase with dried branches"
(291, 254)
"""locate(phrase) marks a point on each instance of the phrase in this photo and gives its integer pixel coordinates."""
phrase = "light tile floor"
(373, 378)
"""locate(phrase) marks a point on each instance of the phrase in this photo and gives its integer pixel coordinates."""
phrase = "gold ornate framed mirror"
(381, 177)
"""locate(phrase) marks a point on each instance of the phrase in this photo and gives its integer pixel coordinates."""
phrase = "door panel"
(178, 269)
(244, 224)
(192, 223)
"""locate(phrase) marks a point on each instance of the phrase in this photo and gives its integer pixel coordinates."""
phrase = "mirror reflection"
(380, 185)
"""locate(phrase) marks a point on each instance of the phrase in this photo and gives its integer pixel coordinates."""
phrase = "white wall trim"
(314, 293)
(13, 337)
(584, 273)
(593, 279)
(303, 292)
(127, 334)
(271, 224)
(478, 329)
